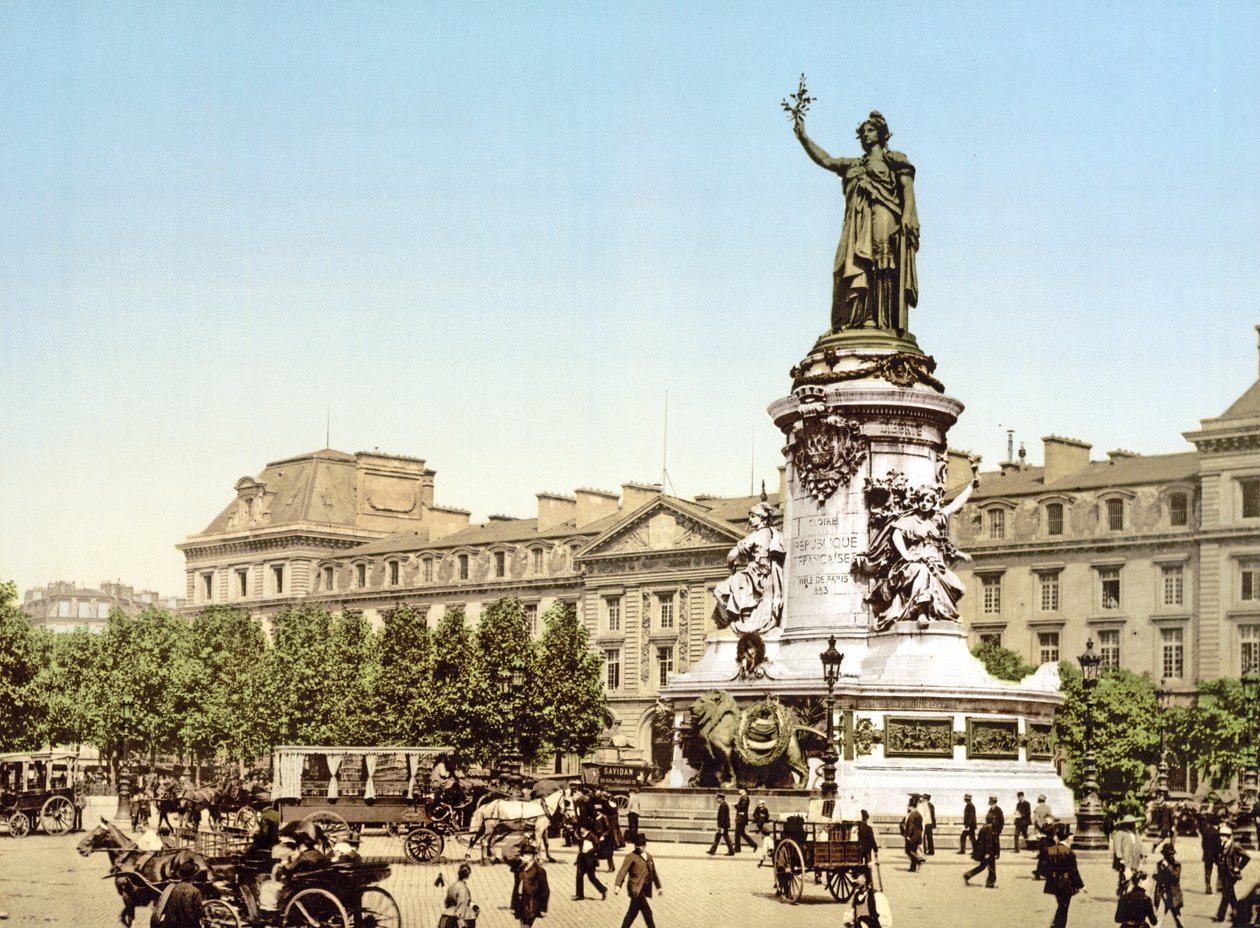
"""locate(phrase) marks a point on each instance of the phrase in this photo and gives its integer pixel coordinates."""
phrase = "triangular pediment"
(662, 525)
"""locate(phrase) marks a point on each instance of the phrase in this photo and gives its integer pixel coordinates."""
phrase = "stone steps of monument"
(697, 827)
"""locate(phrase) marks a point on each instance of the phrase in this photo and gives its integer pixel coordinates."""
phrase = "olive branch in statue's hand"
(800, 103)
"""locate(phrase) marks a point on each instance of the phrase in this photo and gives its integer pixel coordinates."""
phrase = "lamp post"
(831, 660)
(511, 680)
(1089, 813)
(1162, 697)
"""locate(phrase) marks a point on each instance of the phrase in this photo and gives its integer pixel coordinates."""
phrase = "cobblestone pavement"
(43, 881)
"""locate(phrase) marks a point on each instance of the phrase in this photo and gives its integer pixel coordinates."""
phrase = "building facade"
(63, 606)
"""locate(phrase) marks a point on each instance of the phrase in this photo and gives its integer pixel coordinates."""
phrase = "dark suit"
(1023, 818)
(866, 841)
(638, 872)
(969, 827)
(985, 852)
(531, 893)
(929, 827)
(912, 829)
(723, 832)
(1229, 868)
(1063, 879)
(996, 821)
(1134, 909)
(741, 825)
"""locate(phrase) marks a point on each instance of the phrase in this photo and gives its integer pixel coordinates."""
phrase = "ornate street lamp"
(831, 660)
(1089, 812)
(511, 681)
(1162, 697)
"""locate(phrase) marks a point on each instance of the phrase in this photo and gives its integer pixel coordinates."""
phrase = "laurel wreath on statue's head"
(768, 718)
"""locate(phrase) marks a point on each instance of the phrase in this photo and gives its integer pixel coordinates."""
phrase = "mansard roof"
(1124, 471)
(1246, 406)
(315, 487)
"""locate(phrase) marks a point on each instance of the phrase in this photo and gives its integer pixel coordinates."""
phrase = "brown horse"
(139, 876)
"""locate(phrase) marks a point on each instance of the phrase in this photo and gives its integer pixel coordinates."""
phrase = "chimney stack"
(593, 505)
(1064, 456)
(555, 509)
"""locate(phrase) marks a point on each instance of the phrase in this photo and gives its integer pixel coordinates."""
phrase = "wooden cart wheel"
(215, 913)
(379, 910)
(315, 908)
(422, 845)
(333, 825)
(840, 884)
(247, 819)
(789, 870)
(19, 825)
(57, 815)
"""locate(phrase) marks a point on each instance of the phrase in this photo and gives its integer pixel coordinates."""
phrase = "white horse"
(515, 814)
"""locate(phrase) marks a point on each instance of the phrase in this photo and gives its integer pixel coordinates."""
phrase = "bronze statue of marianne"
(875, 282)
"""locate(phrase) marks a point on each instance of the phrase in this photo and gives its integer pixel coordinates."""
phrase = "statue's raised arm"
(874, 276)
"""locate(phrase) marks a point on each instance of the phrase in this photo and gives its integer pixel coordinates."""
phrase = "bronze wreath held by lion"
(757, 736)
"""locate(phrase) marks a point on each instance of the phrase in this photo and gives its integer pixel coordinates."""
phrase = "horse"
(139, 875)
(490, 816)
(230, 796)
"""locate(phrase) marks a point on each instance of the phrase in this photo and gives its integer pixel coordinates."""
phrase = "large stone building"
(64, 606)
(1154, 557)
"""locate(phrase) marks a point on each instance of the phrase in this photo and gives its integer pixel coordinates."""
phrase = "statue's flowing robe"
(751, 599)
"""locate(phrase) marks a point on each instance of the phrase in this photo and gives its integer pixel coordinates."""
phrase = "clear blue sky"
(493, 236)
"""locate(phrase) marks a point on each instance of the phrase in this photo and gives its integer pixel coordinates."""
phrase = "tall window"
(537, 556)
(207, 587)
(1249, 649)
(993, 638)
(1048, 645)
(1249, 572)
(328, 578)
(612, 609)
(1048, 582)
(1173, 652)
(1174, 584)
(1054, 518)
(393, 573)
(1115, 514)
(1250, 498)
(463, 567)
(277, 579)
(1109, 587)
(1109, 647)
(500, 564)
(360, 576)
(992, 587)
(427, 569)
(242, 582)
(664, 664)
(997, 523)
(531, 617)
(665, 609)
(612, 669)
(1178, 509)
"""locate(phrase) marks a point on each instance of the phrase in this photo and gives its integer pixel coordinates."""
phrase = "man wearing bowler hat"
(638, 872)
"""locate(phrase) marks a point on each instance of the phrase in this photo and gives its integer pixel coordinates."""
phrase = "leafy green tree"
(299, 674)
(224, 706)
(402, 671)
(458, 691)
(352, 652)
(570, 688)
(504, 645)
(1125, 738)
(1213, 735)
(21, 709)
(1001, 662)
(68, 666)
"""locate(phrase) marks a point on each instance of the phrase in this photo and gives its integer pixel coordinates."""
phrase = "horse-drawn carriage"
(37, 792)
(828, 848)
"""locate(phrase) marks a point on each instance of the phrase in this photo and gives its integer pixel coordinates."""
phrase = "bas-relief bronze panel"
(921, 737)
(992, 739)
(1040, 741)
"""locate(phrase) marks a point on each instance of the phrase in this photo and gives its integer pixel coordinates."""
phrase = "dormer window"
(360, 575)
(1115, 514)
(1178, 510)
(328, 578)
(1054, 518)
(394, 573)
(500, 564)
(997, 524)
(463, 566)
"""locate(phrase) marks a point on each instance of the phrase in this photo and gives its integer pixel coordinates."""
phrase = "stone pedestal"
(917, 712)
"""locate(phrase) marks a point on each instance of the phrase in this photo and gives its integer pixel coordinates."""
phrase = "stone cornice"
(979, 549)
(316, 546)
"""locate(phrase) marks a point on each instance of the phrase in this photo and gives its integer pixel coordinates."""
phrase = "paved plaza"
(43, 881)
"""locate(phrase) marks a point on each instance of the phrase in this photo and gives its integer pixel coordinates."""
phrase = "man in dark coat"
(179, 906)
(984, 852)
(1168, 884)
(866, 839)
(1229, 868)
(741, 823)
(638, 872)
(969, 825)
(723, 832)
(1058, 868)
(929, 823)
(530, 892)
(1210, 841)
(912, 831)
(1023, 818)
(1134, 908)
(996, 820)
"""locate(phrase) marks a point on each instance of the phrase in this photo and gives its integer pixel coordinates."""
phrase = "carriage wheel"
(840, 884)
(315, 908)
(394, 829)
(789, 870)
(57, 815)
(19, 825)
(333, 825)
(215, 913)
(379, 910)
(247, 819)
(422, 845)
